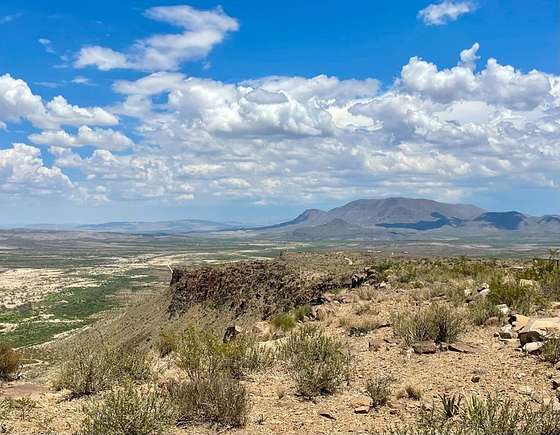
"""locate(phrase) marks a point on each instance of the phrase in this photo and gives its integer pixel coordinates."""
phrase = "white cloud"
(47, 45)
(202, 30)
(101, 138)
(18, 102)
(437, 14)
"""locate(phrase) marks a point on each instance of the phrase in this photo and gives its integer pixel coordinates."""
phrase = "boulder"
(232, 332)
(504, 309)
(361, 410)
(423, 347)
(507, 332)
(358, 279)
(533, 348)
(539, 329)
(518, 321)
(463, 347)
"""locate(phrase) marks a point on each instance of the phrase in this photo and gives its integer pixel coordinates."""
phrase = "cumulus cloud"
(100, 138)
(438, 132)
(438, 14)
(18, 102)
(202, 30)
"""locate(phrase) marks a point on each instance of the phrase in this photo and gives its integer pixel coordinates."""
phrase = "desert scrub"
(128, 410)
(550, 351)
(10, 362)
(413, 392)
(520, 298)
(284, 322)
(482, 310)
(318, 363)
(361, 327)
(90, 369)
(220, 399)
(203, 354)
(489, 416)
(437, 322)
(379, 390)
(168, 342)
(301, 312)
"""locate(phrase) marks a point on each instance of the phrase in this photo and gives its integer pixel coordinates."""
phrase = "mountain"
(392, 217)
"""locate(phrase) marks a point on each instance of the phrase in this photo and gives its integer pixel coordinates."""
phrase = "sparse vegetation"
(93, 368)
(168, 342)
(301, 312)
(284, 322)
(438, 322)
(489, 416)
(521, 298)
(319, 364)
(361, 328)
(128, 410)
(482, 310)
(10, 362)
(550, 351)
(413, 392)
(379, 390)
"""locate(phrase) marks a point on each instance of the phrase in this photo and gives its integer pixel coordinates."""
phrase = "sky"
(252, 111)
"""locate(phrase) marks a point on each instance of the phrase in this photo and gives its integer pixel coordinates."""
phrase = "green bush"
(10, 361)
(490, 416)
(520, 298)
(90, 369)
(482, 310)
(361, 328)
(438, 322)
(550, 351)
(168, 342)
(220, 399)
(301, 312)
(319, 364)
(128, 411)
(284, 322)
(379, 390)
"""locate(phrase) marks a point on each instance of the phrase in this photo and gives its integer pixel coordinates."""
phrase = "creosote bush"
(90, 369)
(318, 363)
(438, 322)
(379, 390)
(10, 361)
(476, 416)
(284, 322)
(361, 327)
(520, 298)
(550, 351)
(482, 310)
(128, 410)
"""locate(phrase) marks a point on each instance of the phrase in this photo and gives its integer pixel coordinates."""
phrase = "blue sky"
(252, 112)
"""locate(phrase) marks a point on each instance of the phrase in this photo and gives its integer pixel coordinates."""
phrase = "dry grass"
(10, 362)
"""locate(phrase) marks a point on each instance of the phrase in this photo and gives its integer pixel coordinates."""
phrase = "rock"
(475, 379)
(327, 414)
(492, 321)
(468, 292)
(358, 279)
(552, 403)
(507, 332)
(518, 321)
(533, 348)
(537, 329)
(463, 347)
(525, 390)
(557, 366)
(504, 309)
(361, 410)
(423, 347)
(483, 293)
(375, 345)
(232, 332)
(555, 383)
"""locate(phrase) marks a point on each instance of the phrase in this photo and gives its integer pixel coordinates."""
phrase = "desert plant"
(450, 405)
(168, 342)
(91, 369)
(379, 390)
(318, 363)
(438, 322)
(413, 392)
(220, 399)
(301, 312)
(10, 361)
(521, 298)
(550, 351)
(128, 411)
(284, 322)
(482, 310)
(361, 328)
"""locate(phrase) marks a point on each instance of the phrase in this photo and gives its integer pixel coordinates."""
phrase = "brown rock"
(538, 329)
(475, 379)
(423, 347)
(463, 347)
(361, 410)
(327, 414)
(518, 321)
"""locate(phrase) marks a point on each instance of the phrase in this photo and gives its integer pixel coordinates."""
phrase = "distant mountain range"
(363, 219)
(380, 218)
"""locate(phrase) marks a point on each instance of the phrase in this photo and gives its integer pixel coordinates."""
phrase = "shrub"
(482, 310)
(203, 354)
(168, 342)
(284, 322)
(301, 312)
(379, 390)
(361, 328)
(10, 361)
(413, 392)
(318, 363)
(521, 298)
(550, 351)
(220, 399)
(127, 411)
(91, 369)
(438, 322)
(488, 416)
